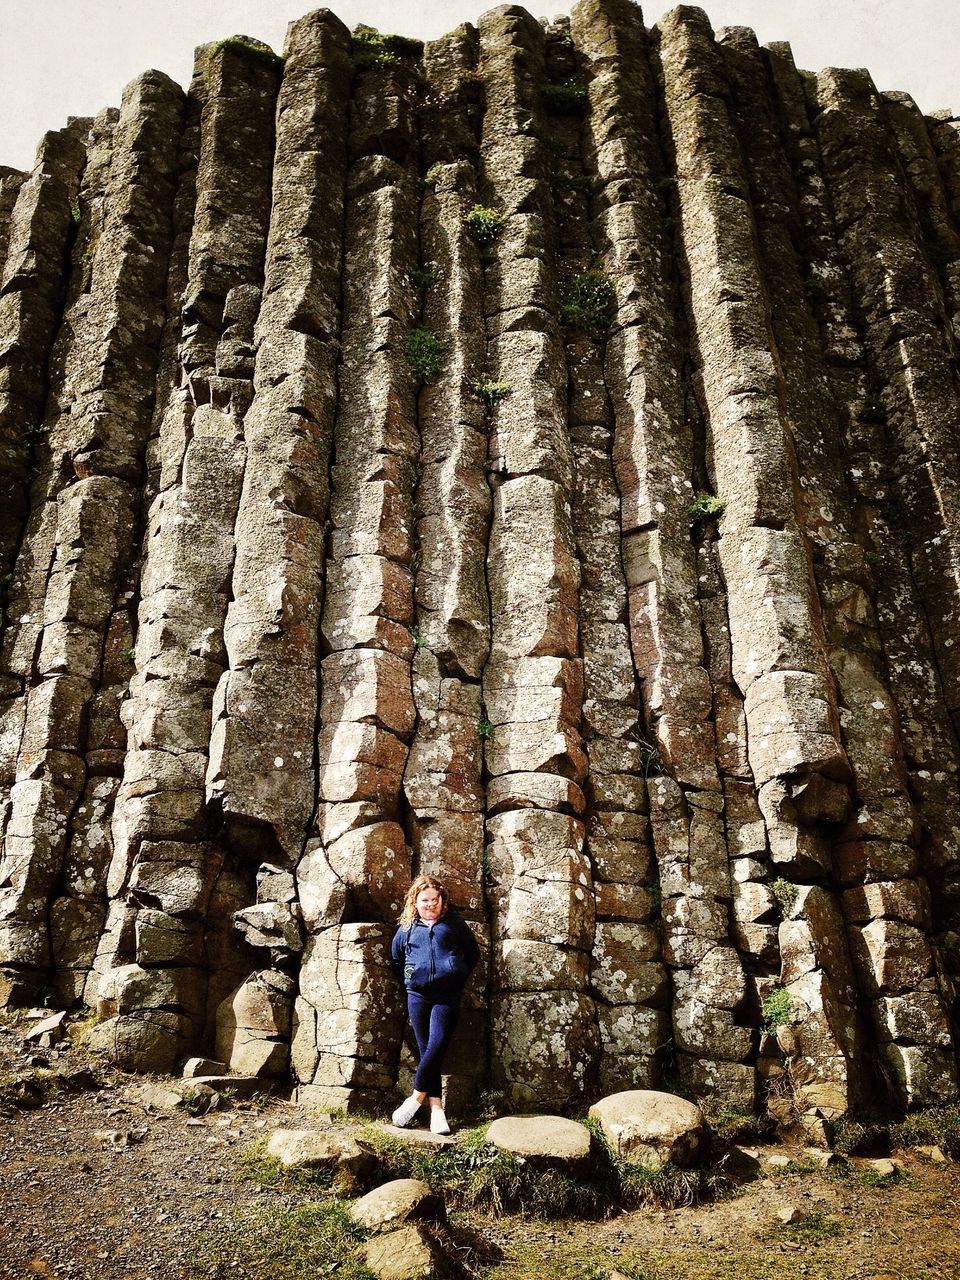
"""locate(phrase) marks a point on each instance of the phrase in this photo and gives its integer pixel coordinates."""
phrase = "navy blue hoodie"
(438, 959)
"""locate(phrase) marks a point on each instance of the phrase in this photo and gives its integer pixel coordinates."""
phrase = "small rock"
(49, 1031)
(821, 1158)
(408, 1254)
(883, 1168)
(194, 1067)
(401, 1201)
(932, 1153)
(788, 1213)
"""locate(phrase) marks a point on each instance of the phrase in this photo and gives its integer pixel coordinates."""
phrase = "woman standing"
(434, 953)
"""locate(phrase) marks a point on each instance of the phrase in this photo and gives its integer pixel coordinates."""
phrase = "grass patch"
(785, 894)
(588, 303)
(488, 391)
(484, 225)
(248, 48)
(285, 1243)
(731, 1125)
(871, 410)
(425, 353)
(25, 1090)
(813, 1229)
(705, 506)
(254, 1165)
(776, 1009)
(423, 277)
(372, 48)
(569, 98)
(933, 1127)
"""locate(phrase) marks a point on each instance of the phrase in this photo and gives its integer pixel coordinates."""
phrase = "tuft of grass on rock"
(785, 894)
(569, 98)
(488, 391)
(705, 506)
(248, 47)
(372, 48)
(425, 353)
(776, 1009)
(254, 1165)
(589, 303)
(484, 225)
(299, 1242)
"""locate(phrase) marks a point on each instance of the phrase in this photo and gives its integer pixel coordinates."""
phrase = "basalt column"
(530, 458)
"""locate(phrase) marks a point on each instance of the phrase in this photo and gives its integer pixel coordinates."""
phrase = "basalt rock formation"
(532, 457)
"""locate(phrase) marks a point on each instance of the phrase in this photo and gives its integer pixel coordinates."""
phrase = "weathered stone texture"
(529, 458)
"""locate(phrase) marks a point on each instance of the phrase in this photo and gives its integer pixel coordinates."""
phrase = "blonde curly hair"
(409, 912)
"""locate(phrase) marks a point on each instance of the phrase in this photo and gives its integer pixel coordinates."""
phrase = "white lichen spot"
(878, 704)
(278, 761)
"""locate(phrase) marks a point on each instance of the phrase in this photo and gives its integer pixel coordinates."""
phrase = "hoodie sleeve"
(471, 952)
(398, 952)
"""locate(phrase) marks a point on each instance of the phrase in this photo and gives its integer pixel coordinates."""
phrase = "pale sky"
(72, 57)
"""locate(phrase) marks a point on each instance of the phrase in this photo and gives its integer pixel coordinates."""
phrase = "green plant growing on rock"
(373, 48)
(484, 225)
(129, 653)
(568, 98)
(247, 47)
(785, 894)
(488, 391)
(776, 1009)
(871, 410)
(425, 353)
(424, 276)
(432, 175)
(588, 303)
(75, 210)
(704, 507)
(484, 728)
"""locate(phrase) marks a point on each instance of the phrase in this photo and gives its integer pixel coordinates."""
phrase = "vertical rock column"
(354, 875)
(442, 781)
(261, 771)
(11, 180)
(545, 1041)
(32, 288)
(653, 463)
(868, 713)
(96, 462)
(628, 979)
(153, 956)
(776, 633)
(940, 231)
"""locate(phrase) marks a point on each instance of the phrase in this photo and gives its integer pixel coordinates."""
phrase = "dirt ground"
(97, 1186)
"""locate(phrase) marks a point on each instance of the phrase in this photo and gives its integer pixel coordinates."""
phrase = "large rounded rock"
(544, 1139)
(398, 1202)
(650, 1127)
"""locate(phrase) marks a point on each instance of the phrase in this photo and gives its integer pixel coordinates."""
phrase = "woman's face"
(429, 904)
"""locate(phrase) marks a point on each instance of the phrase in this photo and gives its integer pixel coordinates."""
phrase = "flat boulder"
(313, 1149)
(397, 1203)
(650, 1127)
(408, 1254)
(417, 1137)
(547, 1139)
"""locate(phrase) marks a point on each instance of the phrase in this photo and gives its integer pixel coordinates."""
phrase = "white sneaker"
(438, 1121)
(405, 1112)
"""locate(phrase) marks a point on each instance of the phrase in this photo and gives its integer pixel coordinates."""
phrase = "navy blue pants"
(434, 1020)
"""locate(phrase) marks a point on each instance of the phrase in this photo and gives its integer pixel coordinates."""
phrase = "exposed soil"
(97, 1186)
